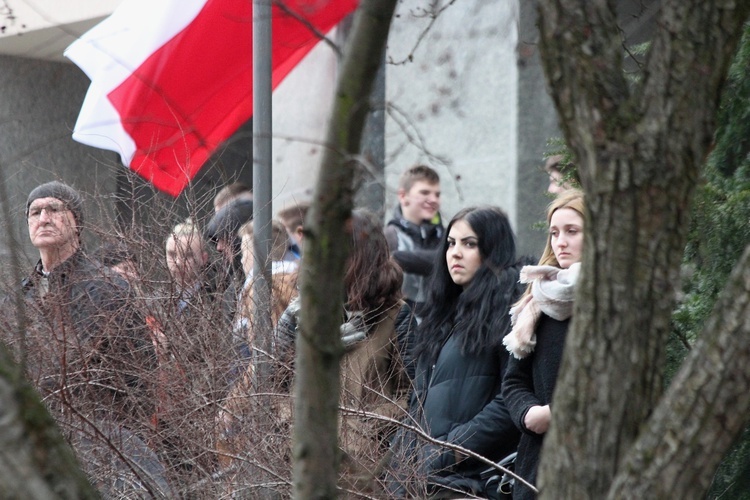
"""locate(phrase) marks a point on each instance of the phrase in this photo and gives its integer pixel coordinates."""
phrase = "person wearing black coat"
(531, 381)
(457, 397)
(540, 324)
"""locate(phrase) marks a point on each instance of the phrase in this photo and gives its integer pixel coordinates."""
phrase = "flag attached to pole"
(172, 79)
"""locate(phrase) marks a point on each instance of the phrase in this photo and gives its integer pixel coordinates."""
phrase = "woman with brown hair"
(376, 330)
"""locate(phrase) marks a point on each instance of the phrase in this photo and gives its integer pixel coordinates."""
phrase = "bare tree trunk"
(327, 233)
(35, 460)
(640, 147)
(703, 407)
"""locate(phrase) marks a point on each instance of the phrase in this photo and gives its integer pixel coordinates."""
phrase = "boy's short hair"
(187, 228)
(230, 192)
(418, 173)
(568, 170)
(294, 216)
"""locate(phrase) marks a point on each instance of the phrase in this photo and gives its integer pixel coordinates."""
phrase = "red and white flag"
(172, 79)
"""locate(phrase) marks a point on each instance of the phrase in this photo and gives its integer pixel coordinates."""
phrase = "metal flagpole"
(262, 129)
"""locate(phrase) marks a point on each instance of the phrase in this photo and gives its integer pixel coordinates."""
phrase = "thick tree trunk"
(35, 460)
(639, 148)
(327, 234)
(704, 410)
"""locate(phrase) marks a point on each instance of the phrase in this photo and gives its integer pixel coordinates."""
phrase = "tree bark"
(35, 460)
(704, 409)
(319, 349)
(640, 148)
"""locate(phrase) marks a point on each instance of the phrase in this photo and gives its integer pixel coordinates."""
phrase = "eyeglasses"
(52, 210)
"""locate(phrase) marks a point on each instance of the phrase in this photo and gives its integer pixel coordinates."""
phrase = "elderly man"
(86, 346)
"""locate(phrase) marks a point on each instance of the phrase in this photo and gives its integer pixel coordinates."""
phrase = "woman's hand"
(537, 419)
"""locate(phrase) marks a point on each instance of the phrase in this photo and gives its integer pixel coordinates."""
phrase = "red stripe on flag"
(196, 90)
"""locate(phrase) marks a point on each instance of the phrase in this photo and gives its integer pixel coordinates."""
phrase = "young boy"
(415, 231)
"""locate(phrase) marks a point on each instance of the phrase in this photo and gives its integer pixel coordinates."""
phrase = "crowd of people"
(178, 389)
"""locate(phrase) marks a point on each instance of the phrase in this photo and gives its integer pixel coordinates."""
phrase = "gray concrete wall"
(537, 123)
(451, 90)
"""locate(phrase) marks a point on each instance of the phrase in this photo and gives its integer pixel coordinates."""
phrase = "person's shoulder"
(391, 232)
(405, 309)
(100, 281)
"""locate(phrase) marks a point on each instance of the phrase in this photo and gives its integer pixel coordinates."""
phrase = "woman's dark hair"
(372, 280)
(478, 312)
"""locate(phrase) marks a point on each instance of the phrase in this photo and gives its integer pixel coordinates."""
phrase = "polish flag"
(172, 79)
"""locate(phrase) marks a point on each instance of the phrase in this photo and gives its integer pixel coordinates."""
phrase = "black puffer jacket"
(457, 399)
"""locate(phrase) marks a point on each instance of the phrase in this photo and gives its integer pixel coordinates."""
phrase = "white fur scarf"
(552, 293)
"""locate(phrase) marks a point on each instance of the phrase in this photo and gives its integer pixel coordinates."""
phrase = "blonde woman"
(540, 323)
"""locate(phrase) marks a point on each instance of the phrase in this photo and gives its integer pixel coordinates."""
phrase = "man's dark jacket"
(88, 351)
(414, 247)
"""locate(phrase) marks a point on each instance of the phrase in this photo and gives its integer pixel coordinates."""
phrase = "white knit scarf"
(552, 293)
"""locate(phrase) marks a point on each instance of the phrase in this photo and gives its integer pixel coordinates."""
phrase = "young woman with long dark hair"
(461, 361)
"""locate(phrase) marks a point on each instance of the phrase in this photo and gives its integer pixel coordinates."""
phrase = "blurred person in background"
(293, 219)
(416, 231)
(557, 171)
(376, 331)
(230, 193)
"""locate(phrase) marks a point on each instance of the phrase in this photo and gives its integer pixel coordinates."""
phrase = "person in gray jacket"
(416, 231)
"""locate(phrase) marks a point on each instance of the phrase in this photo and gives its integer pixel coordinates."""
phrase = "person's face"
(462, 256)
(421, 202)
(51, 224)
(566, 236)
(185, 257)
(556, 184)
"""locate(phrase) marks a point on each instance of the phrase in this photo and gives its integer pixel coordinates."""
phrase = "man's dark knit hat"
(69, 196)
(227, 221)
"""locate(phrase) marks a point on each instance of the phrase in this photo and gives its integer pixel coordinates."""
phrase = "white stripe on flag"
(110, 52)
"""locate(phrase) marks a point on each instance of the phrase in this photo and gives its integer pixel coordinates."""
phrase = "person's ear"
(299, 233)
(402, 196)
